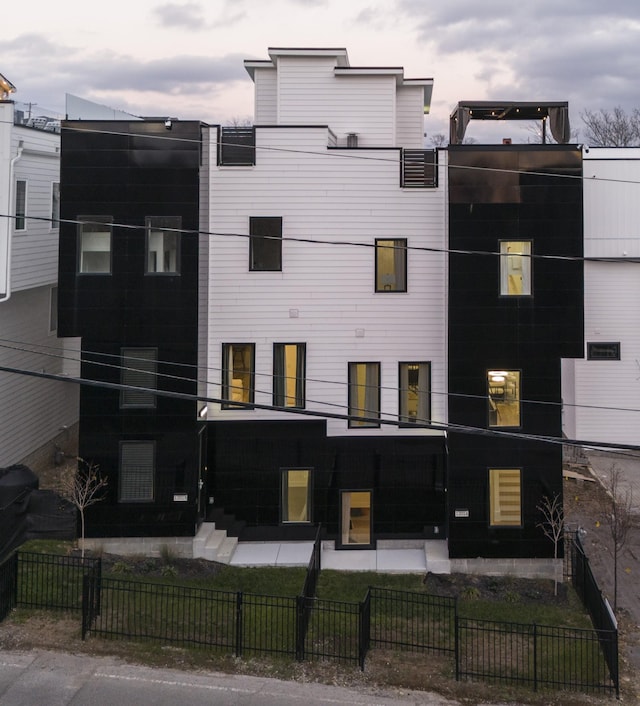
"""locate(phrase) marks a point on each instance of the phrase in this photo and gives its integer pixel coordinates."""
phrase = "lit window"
(515, 268)
(94, 233)
(505, 507)
(238, 361)
(504, 398)
(139, 370)
(355, 517)
(364, 394)
(55, 204)
(163, 244)
(288, 374)
(296, 495)
(414, 393)
(21, 204)
(137, 470)
(391, 265)
(265, 244)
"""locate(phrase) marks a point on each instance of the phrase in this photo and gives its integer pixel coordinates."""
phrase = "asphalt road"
(41, 678)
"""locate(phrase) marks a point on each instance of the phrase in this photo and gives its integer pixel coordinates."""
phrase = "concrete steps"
(436, 553)
(213, 544)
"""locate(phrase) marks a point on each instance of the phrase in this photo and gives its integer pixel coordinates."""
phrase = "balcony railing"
(419, 169)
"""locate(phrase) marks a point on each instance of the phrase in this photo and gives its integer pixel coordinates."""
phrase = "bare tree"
(619, 518)
(83, 488)
(614, 128)
(438, 139)
(552, 524)
(237, 121)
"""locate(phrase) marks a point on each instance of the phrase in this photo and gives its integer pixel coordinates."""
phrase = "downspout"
(11, 222)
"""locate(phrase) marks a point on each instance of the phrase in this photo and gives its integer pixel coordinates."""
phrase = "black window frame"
(284, 486)
(168, 225)
(352, 389)
(265, 243)
(279, 375)
(399, 244)
(139, 499)
(591, 350)
(93, 221)
(402, 423)
(226, 380)
(138, 377)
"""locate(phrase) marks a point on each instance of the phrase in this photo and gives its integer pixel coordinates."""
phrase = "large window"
(515, 268)
(391, 265)
(139, 370)
(163, 244)
(296, 495)
(504, 398)
(137, 470)
(415, 387)
(55, 204)
(355, 518)
(21, 204)
(505, 506)
(265, 244)
(288, 374)
(364, 394)
(94, 235)
(238, 372)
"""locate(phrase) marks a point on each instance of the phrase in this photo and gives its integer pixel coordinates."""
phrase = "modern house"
(284, 324)
(601, 389)
(35, 413)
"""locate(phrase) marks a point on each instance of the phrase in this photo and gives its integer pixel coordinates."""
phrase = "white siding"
(607, 392)
(32, 410)
(309, 93)
(266, 97)
(337, 197)
(410, 120)
(34, 260)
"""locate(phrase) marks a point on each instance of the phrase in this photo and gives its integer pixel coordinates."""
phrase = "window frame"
(494, 497)
(140, 499)
(280, 377)
(94, 221)
(399, 245)
(526, 266)
(593, 345)
(340, 543)
(227, 351)
(55, 206)
(127, 372)
(284, 499)
(262, 231)
(492, 397)
(167, 226)
(403, 396)
(53, 310)
(353, 388)
(20, 206)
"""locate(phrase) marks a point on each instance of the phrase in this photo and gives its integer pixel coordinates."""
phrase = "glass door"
(355, 518)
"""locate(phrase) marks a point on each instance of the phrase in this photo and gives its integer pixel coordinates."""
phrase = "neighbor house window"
(355, 517)
(137, 470)
(288, 374)
(391, 265)
(603, 351)
(21, 204)
(503, 387)
(53, 309)
(163, 244)
(94, 235)
(265, 244)
(415, 387)
(139, 370)
(296, 495)
(238, 372)
(505, 506)
(55, 204)
(364, 394)
(515, 267)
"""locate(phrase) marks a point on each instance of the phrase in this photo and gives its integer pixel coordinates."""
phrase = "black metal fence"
(8, 585)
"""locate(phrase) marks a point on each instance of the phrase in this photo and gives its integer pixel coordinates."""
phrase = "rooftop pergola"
(556, 114)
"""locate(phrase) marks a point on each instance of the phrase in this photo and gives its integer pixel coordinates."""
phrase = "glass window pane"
(163, 244)
(414, 393)
(139, 369)
(21, 204)
(265, 244)
(504, 398)
(515, 267)
(296, 496)
(364, 394)
(238, 374)
(137, 466)
(95, 245)
(505, 497)
(288, 374)
(356, 517)
(391, 265)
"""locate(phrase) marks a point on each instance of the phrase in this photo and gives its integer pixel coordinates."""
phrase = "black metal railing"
(419, 169)
(8, 585)
(237, 146)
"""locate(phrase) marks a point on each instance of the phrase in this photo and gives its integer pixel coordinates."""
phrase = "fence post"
(238, 649)
(456, 644)
(300, 627)
(364, 624)
(86, 582)
(535, 657)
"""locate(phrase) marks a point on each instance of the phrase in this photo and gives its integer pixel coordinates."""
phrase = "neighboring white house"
(33, 411)
(602, 392)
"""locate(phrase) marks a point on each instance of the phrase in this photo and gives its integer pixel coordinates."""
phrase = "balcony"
(419, 169)
(237, 146)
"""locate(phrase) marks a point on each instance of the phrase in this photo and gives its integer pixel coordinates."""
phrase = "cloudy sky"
(184, 57)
